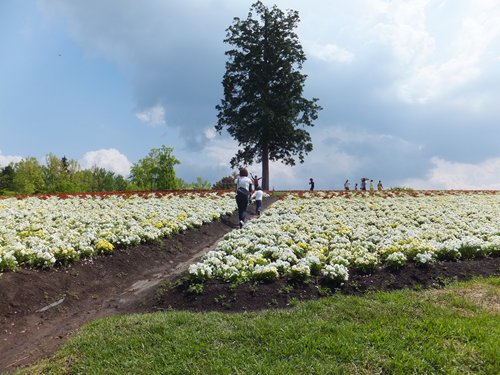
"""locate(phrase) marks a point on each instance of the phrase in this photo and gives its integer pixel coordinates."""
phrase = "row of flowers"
(328, 233)
(39, 231)
(126, 194)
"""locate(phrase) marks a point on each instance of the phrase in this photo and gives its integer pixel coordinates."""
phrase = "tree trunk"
(265, 167)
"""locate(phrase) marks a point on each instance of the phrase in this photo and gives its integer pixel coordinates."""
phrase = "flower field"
(328, 233)
(39, 231)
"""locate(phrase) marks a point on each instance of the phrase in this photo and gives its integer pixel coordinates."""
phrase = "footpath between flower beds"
(120, 283)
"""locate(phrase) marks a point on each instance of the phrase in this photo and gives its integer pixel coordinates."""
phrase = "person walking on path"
(371, 186)
(363, 183)
(243, 184)
(346, 185)
(258, 194)
(379, 186)
(356, 187)
(311, 182)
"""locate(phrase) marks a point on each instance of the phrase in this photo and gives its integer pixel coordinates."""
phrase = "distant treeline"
(60, 175)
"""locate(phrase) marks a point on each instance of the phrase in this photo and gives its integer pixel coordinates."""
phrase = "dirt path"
(39, 309)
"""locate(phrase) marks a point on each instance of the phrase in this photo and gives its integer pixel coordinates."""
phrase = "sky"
(410, 90)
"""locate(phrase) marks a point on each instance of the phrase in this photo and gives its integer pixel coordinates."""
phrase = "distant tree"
(121, 183)
(201, 185)
(166, 179)
(59, 175)
(263, 105)
(28, 177)
(83, 180)
(7, 180)
(183, 185)
(156, 171)
(108, 181)
(138, 176)
(64, 163)
(51, 171)
(226, 183)
(97, 178)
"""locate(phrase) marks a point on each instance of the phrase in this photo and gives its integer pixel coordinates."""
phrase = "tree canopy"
(226, 183)
(153, 172)
(156, 171)
(263, 107)
(64, 175)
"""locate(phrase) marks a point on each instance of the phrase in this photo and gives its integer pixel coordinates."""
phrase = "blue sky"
(410, 89)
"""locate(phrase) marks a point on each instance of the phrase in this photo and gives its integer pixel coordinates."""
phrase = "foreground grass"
(456, 330)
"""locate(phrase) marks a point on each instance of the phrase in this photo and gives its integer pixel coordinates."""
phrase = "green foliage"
(263, 105)
(471, 251)
(201, 185)
(7, 180)
(28, 177)
(183, 185)
(156, 171)
(195, 288)
(226, 183)
(58, 176)
(198, 185)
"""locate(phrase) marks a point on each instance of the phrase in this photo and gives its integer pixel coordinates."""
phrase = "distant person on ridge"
(379, 185)
(371, 186)
(356, 187)
(347, 184)
(243, 184)
(363, 183)
(311, 182)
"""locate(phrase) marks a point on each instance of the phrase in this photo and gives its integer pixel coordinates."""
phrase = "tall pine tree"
(263, 108)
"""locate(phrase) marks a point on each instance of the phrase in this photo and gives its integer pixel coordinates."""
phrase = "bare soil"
(129, 281)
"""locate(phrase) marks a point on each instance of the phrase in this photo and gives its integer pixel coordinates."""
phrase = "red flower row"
(327, 194)
(127, 194)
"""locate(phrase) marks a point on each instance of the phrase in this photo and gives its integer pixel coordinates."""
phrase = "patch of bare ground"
(485, 295)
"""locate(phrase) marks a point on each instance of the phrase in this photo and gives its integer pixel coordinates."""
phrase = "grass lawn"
(447, 331)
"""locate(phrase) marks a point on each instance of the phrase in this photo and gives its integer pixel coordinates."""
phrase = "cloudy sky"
(410, 90)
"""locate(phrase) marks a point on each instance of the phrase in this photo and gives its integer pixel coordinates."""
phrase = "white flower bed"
(39, 232)
(317, 234)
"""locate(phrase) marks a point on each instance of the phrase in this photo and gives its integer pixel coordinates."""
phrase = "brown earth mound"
(39, 309)
(253, 296)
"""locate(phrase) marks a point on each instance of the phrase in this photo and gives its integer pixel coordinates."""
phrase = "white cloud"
(460, 176)
(155, 116)
(210, 133)
(331, 53)
(7, 159)
(427, 74)
(221, 149)
(111, 160)
(343, 135)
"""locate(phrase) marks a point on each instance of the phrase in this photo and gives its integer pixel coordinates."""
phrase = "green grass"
(278, 193)
(455, 330)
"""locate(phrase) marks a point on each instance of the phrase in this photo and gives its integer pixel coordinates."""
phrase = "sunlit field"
(327, 233)
(40, 231)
